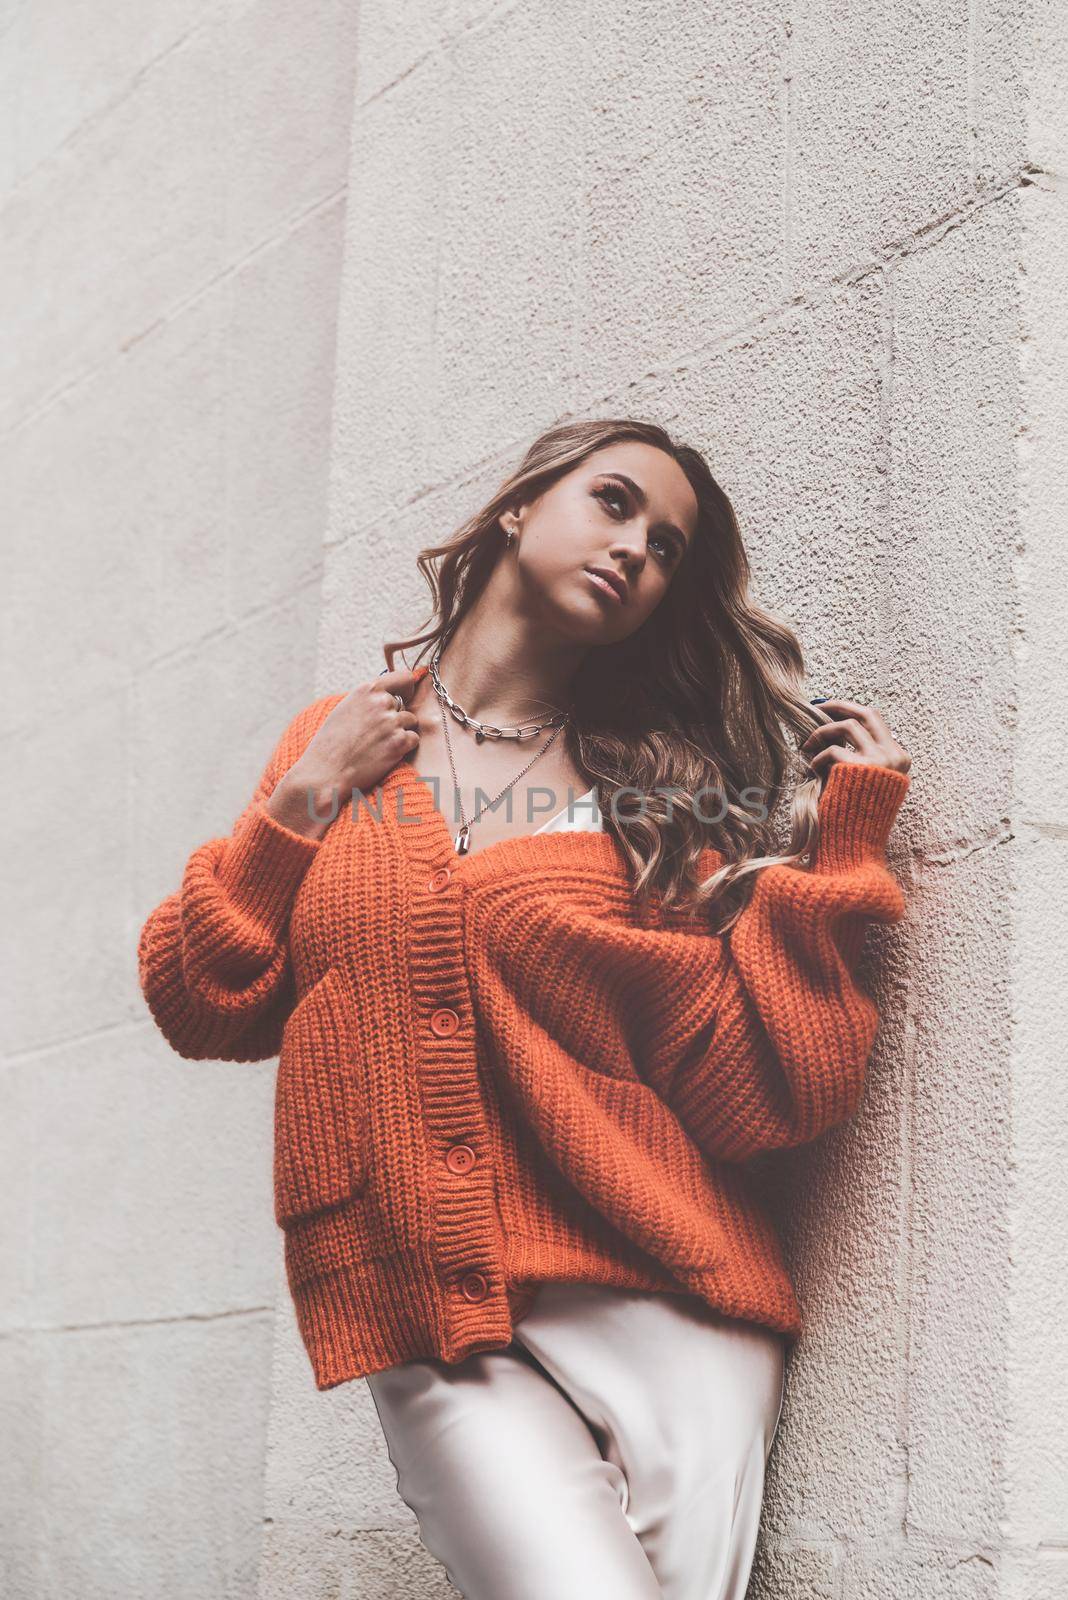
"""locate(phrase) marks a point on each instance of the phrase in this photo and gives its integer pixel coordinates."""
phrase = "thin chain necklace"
(486, 730)
(462, 841)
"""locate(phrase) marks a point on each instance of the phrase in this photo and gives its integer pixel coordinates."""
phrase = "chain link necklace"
(483, 730)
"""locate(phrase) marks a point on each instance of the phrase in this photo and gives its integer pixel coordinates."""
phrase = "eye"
(668, 546)
(669, 551)
(611, 491)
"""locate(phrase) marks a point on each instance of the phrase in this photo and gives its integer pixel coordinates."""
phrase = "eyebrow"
(643, 500)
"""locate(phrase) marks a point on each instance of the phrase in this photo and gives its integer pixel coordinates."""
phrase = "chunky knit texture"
(493, 1072)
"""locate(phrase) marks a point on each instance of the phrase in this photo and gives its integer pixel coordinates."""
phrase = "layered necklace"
(485, 730)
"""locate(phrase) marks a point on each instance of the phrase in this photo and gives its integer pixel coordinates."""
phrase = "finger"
(834, 755)
(402, 680)
(387, 697)
(869, 715)
(848, 730)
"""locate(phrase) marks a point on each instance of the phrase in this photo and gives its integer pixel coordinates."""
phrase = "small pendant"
(461, 844)
(479, 736)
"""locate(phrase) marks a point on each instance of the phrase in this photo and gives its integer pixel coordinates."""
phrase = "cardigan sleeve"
(785, 1054)
(213, 957)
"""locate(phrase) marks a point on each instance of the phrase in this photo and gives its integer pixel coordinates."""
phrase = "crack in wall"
(109, 1324)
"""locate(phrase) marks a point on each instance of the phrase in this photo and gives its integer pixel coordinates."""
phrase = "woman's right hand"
(361, 740)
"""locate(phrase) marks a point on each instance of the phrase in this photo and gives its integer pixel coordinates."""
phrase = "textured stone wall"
(828, 246)
(172, 199)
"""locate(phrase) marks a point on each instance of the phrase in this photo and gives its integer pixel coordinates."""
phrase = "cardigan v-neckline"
(548, 825)
(426, 831)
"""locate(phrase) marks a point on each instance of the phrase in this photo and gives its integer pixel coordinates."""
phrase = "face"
(598, 550)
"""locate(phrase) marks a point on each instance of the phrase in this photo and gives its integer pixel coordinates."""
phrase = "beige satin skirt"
(616, 1447)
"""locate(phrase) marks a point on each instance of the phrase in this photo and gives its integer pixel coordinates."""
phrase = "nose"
(629, 551)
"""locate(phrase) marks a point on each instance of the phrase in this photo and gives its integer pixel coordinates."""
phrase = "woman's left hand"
(860, 736)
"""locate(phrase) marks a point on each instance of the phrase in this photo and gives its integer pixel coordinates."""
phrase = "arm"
(792, 1029)
(213, 958)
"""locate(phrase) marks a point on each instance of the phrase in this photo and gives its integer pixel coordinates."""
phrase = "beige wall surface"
(285, 290)
(172, 182)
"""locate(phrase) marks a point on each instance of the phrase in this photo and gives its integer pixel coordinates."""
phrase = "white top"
(584, 814)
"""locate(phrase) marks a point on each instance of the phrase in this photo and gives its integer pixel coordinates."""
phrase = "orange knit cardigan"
(494, 1073)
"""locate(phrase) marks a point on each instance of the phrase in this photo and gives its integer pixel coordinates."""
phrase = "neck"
(508, 670)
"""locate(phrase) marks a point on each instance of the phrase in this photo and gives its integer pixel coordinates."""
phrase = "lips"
(608, 581)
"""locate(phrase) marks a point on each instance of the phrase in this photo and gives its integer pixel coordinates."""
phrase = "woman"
(522, 1068)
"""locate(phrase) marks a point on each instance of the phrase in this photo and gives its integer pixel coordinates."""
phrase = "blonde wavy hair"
(703, 697)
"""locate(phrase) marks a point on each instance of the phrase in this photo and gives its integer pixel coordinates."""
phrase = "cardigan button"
(444, 1022)
(460, 1158)
(474, 1286)
(438, 880)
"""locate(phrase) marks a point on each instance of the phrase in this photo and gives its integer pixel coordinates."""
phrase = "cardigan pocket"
(319, 1133)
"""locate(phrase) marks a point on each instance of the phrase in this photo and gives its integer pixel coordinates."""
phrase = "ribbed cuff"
(262, 867)
(857, 808)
